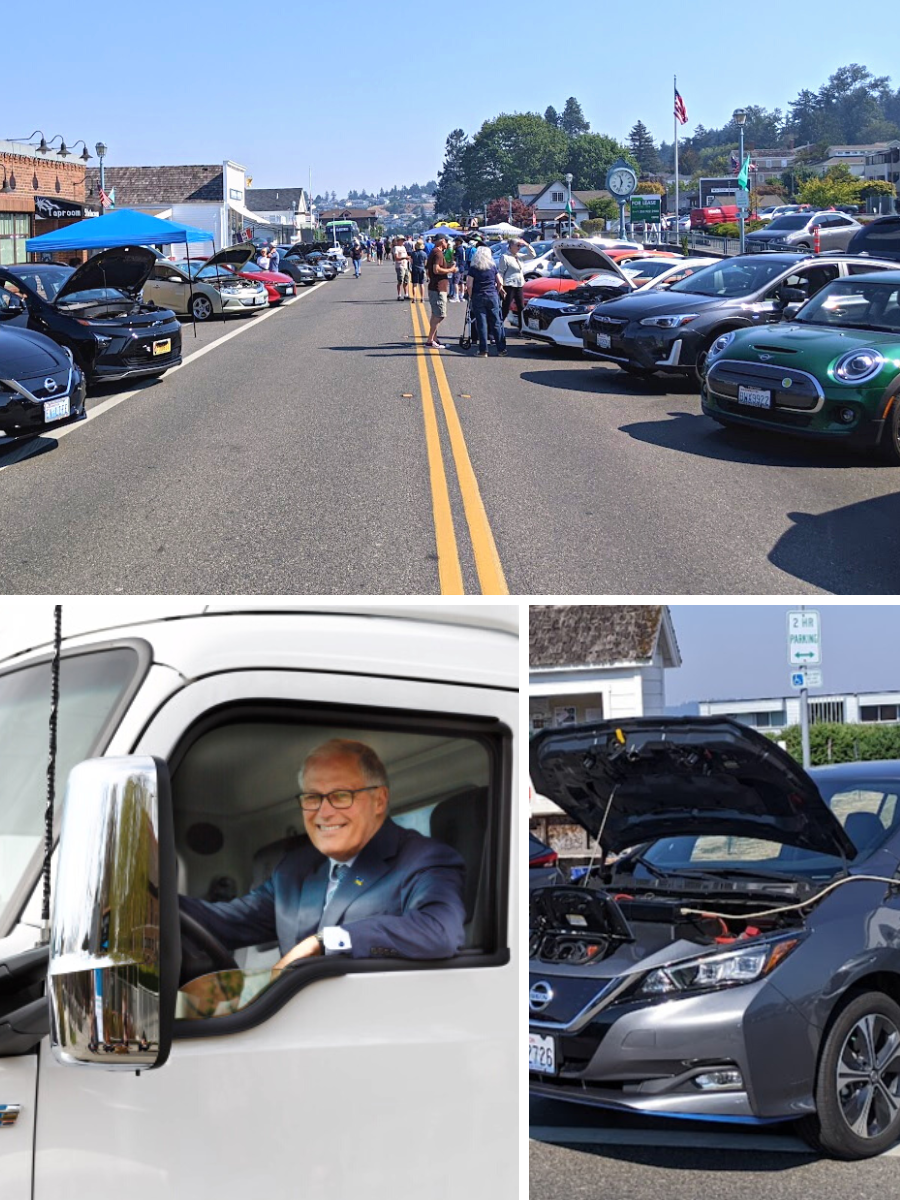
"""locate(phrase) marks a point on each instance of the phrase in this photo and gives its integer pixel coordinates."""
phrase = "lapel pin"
(359, 882)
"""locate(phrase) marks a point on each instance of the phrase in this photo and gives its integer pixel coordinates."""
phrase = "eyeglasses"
(312, 801)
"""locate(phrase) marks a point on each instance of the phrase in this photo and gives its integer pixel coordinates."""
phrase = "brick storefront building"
(38, 193)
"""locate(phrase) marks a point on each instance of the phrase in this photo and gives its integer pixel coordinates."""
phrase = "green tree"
(514, 148)
(602, 207)
(450, 191)
(837, 186)
(590, 157)
(649, 187)
(551, 116)
(644, 149)
(572, 120)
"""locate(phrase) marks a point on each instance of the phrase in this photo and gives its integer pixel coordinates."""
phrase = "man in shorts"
(438, 287)
(401, 266)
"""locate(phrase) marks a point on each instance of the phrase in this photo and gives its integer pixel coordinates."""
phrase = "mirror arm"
(23, 1028)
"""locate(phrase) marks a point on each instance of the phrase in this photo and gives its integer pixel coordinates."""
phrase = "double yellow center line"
(491, 579)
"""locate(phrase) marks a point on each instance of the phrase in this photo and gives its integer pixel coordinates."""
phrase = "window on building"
(557, 197)
(822, 711)
(878, 712)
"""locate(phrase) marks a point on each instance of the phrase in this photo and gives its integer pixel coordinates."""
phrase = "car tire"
(702, 355)
(803, 246)
(860, 1118)
(889, 446)
(201, 308)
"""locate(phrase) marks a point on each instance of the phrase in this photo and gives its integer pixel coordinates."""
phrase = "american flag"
(104, 199)
(680, 110)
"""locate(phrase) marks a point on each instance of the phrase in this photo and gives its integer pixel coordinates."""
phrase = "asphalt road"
(316, 450)
(577, 1152)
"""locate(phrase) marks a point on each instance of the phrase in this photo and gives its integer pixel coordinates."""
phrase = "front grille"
(605, 324)
(790, 388)
(543, 316)
(140, 352)
(780, 416)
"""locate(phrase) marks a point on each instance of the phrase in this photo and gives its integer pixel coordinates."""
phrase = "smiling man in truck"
(362, 885)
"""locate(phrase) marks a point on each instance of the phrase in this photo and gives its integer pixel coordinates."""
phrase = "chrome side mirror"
(115, 945)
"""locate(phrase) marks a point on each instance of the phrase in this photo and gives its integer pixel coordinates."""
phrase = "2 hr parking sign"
(804, 638)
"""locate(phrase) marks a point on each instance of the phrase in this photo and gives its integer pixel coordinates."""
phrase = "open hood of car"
(582, 258)
(637, 780)
(126, 268)
(232, 256)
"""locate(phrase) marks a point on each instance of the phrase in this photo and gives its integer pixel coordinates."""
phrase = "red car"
(563, 282)
(277, 285)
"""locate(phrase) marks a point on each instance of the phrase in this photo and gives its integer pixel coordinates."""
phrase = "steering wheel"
(200, 948)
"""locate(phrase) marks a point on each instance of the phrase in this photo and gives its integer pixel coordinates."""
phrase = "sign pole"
(804, 726)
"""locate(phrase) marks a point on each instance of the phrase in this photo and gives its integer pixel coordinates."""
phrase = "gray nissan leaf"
(733, 951)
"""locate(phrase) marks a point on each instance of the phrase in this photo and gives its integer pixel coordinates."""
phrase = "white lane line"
(689, 1140)
(27, 449)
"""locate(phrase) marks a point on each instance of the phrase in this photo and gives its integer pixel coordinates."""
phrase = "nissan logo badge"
(539, 996)
(50, 384)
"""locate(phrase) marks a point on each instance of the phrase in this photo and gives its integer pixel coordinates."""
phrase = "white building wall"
(200, 216)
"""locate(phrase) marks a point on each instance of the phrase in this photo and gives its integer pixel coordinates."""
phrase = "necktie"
(338, 871)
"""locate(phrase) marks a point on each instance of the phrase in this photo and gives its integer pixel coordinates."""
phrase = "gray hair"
(482, 259)
(373, 769)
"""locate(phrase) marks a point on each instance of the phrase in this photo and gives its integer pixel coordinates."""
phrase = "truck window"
(92, 685)
(239, 829)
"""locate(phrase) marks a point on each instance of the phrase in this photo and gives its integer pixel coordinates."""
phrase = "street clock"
(621, 180)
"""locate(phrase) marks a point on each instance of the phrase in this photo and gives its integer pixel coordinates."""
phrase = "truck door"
(391, 1079)
(18, 1085)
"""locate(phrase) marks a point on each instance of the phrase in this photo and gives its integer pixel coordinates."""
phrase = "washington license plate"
(163, 346)
(603, 341)
(756, 397)
(289, 291)
(531, 323)
(55, 410)
(541, 1054)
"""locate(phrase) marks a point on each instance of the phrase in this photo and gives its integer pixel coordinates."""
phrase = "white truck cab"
(161, 1072)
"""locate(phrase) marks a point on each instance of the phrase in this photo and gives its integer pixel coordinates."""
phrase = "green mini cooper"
(830, 371)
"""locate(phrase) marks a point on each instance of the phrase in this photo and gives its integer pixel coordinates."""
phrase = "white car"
(544, 265)
(559, 320)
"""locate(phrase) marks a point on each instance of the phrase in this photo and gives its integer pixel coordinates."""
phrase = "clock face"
(622, 181)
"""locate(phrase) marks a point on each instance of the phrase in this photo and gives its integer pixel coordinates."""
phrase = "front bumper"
(22, 416)
(646, 1057)
(559, 330)
(231, 304)
(131, 357)
(629, 343)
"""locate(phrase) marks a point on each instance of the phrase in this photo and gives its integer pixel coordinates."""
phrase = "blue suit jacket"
(401, 898)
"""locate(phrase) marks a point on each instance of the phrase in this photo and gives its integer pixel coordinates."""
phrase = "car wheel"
(201, 308)
(804, 246)
(700, 364)
(889, 446)
(858, 1081)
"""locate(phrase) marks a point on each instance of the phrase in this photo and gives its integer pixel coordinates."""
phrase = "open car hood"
(582, 258)
(126, 268)
(641, 779)
(232, 256)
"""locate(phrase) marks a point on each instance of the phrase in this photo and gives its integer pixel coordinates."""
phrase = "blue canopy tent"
(124, 227)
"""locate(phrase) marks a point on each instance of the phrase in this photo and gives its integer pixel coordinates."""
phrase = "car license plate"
(289, 291)
(531, 323)
(55, 410)
(756, 397)
(162, 347)
(603, 341)
(541, 1054)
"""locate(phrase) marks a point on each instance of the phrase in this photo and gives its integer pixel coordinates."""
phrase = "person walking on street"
(379, 250)
(511, 272)
(356, 254)
(438, 287)
(401, 266)
(485, 288)
(417, 271)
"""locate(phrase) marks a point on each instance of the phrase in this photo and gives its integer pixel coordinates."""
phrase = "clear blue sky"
(733, 652)
(366, 95)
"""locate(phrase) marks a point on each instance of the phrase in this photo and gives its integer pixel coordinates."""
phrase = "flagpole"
(675, 122)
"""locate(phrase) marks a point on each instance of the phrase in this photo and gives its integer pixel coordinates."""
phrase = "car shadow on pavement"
(693, 433)
(732, 1161)
(580, 381)
(12, 452)
(853, 550)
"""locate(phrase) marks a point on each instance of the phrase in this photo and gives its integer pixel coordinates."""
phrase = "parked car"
(771, 211)
(203, 290)
(96, 311)
(739, 961)
(559, 279)
(671, 332)
(703, 218)
(301, 272)
(542, 863)
(277, 285)
(832, 373)
(319, 261)
(41, 386)
(798, 231)
(560, 318)
(880, 238)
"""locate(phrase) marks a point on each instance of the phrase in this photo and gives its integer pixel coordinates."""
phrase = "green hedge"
(834, 743)
(732, 229)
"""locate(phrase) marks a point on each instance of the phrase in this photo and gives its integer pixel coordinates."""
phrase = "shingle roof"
(593, 635)
(272, 199)
(530, 189)
(138, 186)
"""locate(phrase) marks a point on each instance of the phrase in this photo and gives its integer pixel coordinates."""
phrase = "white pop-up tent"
(502, 229)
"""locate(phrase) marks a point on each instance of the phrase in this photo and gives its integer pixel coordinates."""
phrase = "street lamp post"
(569, 186)
(101, 154)
(739, 116)
(509, 198)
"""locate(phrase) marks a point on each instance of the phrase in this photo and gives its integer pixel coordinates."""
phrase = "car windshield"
(867, 810)
(91, 685)
(648, 268)
(790, 221)
(854, 304)
(45, 279)
(199, 271)
(735, 277)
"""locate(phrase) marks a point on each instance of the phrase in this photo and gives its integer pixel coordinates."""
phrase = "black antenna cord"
(51, 770)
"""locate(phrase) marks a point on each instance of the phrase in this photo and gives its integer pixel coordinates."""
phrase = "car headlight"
(102, 340)
(571, 309)
(68, 353)
(722, 342)
(857, 366)
(746, 965)
(669, 321)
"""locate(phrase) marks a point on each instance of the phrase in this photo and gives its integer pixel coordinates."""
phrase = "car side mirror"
(790, 310)
(115, 945)
(13, 307)
(791, 295)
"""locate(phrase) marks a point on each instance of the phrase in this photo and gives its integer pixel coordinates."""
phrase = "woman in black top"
(484, 288)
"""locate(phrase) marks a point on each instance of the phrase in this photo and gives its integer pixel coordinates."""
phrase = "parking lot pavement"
(578, 1151)
(322, 431)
